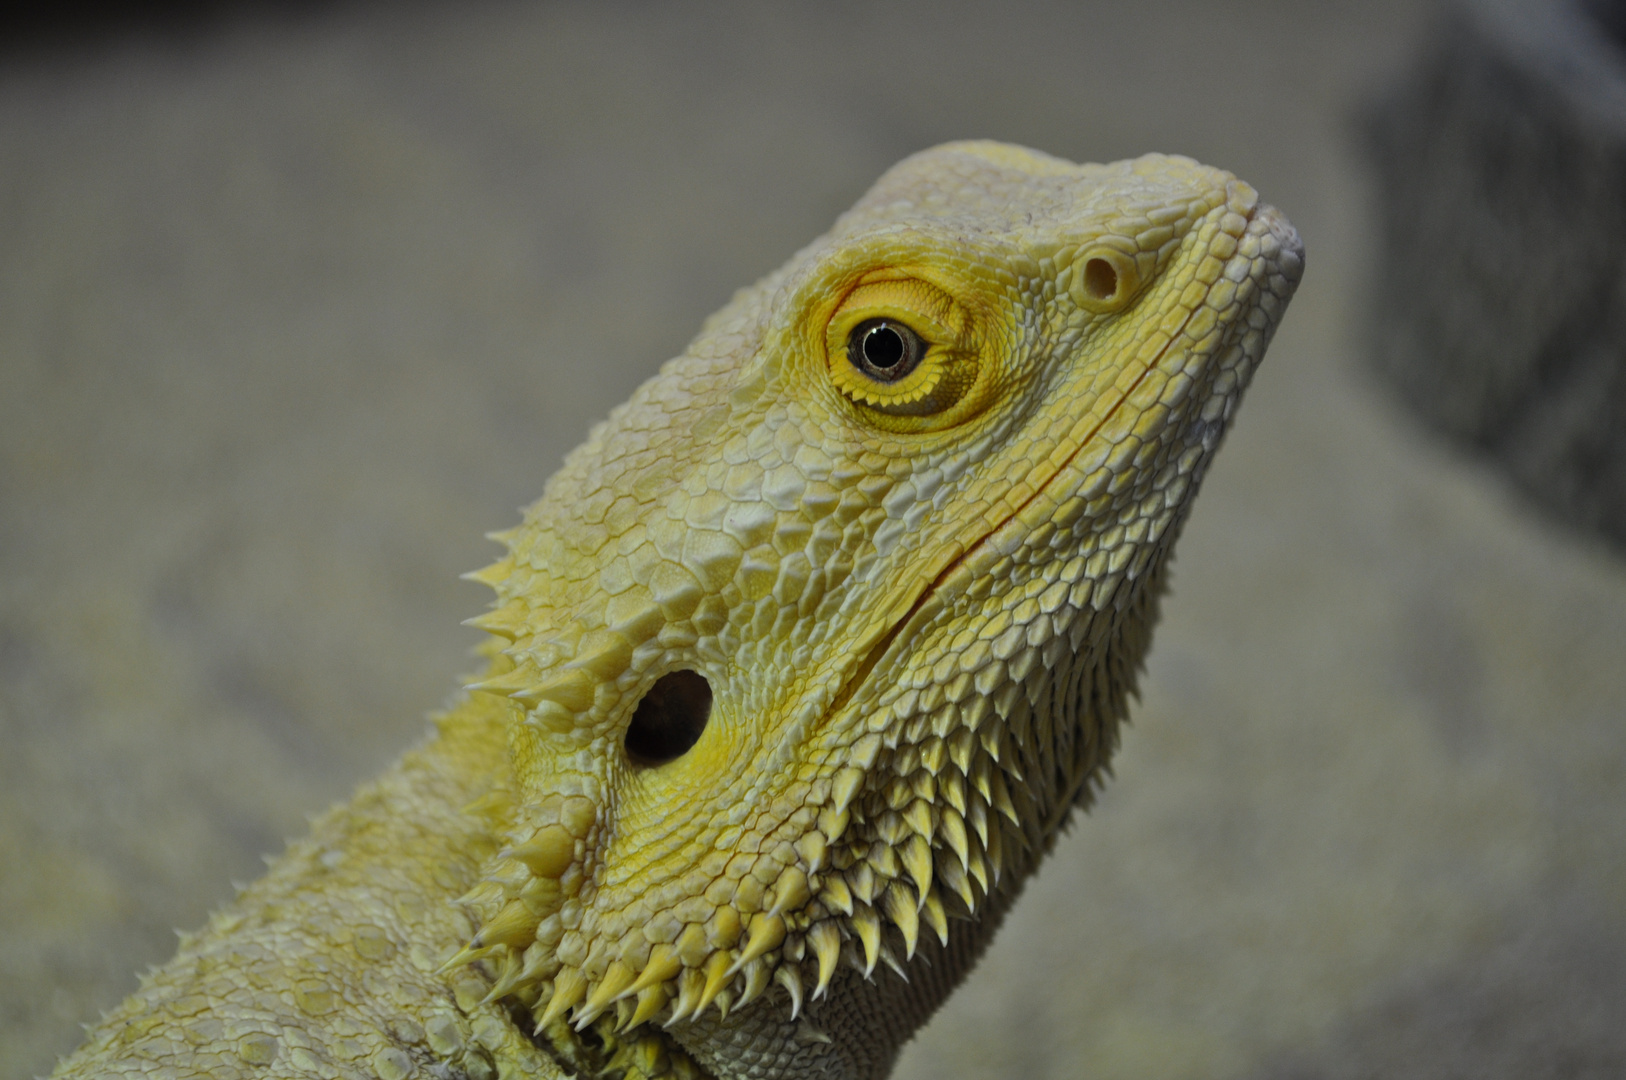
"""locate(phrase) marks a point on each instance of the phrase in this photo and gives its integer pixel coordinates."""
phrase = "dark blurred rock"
(79, 24)
(1501, 282)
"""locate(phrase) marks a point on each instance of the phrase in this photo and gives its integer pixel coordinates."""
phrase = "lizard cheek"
(670, 719)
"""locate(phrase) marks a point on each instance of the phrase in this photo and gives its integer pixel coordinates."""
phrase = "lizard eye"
(884, 349)
(905, 352)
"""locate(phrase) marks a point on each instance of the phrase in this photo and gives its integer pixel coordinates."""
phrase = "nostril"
(670, 718)
(1100, 279)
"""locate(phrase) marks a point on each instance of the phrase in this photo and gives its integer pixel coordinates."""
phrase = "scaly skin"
(918, 601)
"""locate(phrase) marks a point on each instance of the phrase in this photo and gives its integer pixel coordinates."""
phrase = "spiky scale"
(996, 855)
(957, 877)
(952, 827)
(505, 622)
(836, 895)
(978, 867)
(917, 858)
(918, 816)
(571, 689)
(791, 980)
(540, 894)
(902, 908)
(468, 954)
(650, 1058)
(491, 576)
(606, 661)
(691, 988)
(791, 892)
(863, 880)
(890, 959)
(833, 823)
(891, 828)
(651, 1000)
(551, 718)
(825, 938)
(867, 925)
(616, 979)
(569, 988)
(1001, 799)
(663, 965)
(758, 977)
(508, 977)
(931, 909)
(692, 947)
(718, 974)
(976, 813)
(505, 684)
(548, 853)
(723, 931)
(514, 926)
(933, 756)
(767, 931)
(844, 788)
(884, 857)
(812, 847)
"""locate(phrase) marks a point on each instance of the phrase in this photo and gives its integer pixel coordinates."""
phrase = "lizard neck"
(331, 961)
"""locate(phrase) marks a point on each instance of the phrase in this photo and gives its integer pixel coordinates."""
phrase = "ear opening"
(670, 718)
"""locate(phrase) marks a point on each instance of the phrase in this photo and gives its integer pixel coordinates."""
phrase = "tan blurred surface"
(290, 313)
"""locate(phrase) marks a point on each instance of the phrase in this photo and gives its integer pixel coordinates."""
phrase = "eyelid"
(924, 308)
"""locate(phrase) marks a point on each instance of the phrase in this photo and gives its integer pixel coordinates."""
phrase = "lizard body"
(797, 668)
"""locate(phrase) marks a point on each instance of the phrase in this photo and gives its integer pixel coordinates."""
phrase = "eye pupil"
(884, 350)
(883, 347)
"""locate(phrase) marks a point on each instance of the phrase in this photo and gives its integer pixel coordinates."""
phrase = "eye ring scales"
(884, 349)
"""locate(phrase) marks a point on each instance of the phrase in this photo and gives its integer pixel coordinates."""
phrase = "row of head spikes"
(852, 901)
(908, 867)
(864, 898)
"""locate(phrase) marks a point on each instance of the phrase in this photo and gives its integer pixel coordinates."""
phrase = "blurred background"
(297, 301)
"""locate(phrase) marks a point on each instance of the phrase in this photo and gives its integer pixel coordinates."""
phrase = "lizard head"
(813, 646)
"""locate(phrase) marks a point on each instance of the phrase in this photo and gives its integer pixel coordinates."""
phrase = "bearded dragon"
(795, 671)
